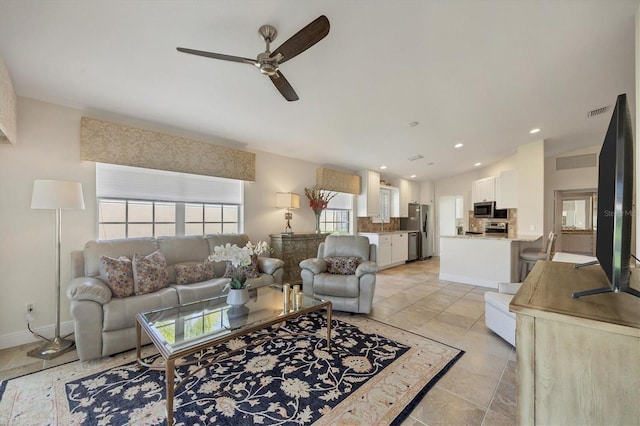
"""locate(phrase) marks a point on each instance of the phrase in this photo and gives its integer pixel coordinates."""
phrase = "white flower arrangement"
(240, 257)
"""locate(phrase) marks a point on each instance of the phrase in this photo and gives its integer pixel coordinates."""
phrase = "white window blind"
(341, 201)
(115, 181)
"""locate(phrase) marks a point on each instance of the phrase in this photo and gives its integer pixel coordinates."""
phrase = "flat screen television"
(615, 203)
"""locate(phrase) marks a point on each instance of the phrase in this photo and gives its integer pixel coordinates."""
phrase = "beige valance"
(112, 143)
(8, 112)
(335, 180)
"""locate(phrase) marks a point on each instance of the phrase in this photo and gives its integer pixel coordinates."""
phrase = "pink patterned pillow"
(342, 265)
(250, 271)
(149, 273)
(187, 274)
(117, 274)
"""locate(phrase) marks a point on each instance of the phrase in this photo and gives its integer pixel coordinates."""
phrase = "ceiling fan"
(269, 62)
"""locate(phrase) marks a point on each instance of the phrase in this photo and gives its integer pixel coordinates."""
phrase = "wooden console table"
(578, 360)
(293, 249)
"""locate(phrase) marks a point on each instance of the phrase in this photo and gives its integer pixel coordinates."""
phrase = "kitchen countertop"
(519, 237)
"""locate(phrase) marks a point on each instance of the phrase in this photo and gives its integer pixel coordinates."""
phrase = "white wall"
(49, 148)
(531, 188)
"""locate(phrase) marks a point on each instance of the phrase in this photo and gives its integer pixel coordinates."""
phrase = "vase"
(238, 297)
(318, 213)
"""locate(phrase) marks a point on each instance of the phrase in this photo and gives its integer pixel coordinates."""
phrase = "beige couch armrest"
(89, 288)
(315, 265)
(367, 267)
(269, 265)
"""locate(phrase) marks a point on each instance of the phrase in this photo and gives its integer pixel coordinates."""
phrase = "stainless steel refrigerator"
(420, 219)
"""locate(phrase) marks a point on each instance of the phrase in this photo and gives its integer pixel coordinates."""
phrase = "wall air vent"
(576, 162)
(597, 111)
(415, 157)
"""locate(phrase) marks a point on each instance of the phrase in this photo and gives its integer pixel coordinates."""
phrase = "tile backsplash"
(477, 224)
(364, 224)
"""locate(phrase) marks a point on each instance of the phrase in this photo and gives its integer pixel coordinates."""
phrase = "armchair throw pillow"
(149, 272)
(194, 273)
(342, 265)
(117, 274)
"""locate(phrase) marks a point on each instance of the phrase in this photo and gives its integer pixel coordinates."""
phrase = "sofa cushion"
(194, 272)
(149, 272)
(114, 248)
(117, 274)
(342, 265)
(121, 313)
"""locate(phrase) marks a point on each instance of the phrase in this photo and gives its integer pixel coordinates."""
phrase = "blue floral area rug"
(373, 374)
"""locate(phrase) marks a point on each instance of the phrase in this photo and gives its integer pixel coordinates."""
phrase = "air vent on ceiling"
(597, 111)
(415, 157)
(576, 162)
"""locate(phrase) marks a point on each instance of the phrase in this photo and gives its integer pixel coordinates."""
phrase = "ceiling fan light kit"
(269, 62)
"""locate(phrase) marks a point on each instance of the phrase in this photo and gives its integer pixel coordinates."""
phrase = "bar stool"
(529, 257)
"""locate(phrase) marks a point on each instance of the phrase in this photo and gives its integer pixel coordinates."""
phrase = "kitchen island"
(483, 259)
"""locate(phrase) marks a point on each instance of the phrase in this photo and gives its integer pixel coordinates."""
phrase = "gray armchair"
(324, 276)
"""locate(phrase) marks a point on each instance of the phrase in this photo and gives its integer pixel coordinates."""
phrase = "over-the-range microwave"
(488, 209)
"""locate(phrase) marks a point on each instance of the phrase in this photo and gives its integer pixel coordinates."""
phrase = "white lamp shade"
(56, 194)
(287, 200)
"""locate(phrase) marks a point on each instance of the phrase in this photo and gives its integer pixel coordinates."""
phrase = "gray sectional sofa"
(105, 325)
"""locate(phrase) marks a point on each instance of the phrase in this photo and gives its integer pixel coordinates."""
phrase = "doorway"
(575, 221)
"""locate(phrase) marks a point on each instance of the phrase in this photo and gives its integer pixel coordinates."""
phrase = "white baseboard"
(464, 279)
(23, 337)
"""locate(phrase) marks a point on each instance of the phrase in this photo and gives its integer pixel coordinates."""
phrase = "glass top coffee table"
(182, 330)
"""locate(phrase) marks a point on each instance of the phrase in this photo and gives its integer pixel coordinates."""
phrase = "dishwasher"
(413, 245)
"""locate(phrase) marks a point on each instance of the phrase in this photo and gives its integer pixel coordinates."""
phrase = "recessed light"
(533, 131)
(413, 176)
(477, 164)
(383, 167)
(414, 123)
(458, 145)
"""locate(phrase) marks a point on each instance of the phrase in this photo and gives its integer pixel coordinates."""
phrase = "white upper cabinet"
(426, 192)
(414, 193)
(483, 190)
(404, 197)
(507, 190)
(369, 198)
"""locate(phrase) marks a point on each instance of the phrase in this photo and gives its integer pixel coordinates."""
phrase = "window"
(135, 202)
(337, 218)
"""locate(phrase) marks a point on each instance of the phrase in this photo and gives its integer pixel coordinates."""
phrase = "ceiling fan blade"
(217, 55)
(284, 87)
(303, 39)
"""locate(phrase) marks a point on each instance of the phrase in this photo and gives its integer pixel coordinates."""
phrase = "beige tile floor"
(478, 390)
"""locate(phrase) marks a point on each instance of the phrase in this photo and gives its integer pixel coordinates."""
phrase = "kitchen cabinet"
(406, 193)
(427, 191)
(507, 190)
(392, 248)
(414, 192)
(483, 190)
(399, 248)
(369, 198)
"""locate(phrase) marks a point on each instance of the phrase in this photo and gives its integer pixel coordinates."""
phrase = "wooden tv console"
(578, 360)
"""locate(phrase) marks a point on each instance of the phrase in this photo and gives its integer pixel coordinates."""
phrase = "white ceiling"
(478, 72)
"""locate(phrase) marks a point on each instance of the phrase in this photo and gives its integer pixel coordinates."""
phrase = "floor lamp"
(56, 195)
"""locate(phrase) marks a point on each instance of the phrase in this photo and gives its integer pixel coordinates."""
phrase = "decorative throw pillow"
(187, 274)
(250, 271)
(342, 265)
(117, 274)
(149, 272)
